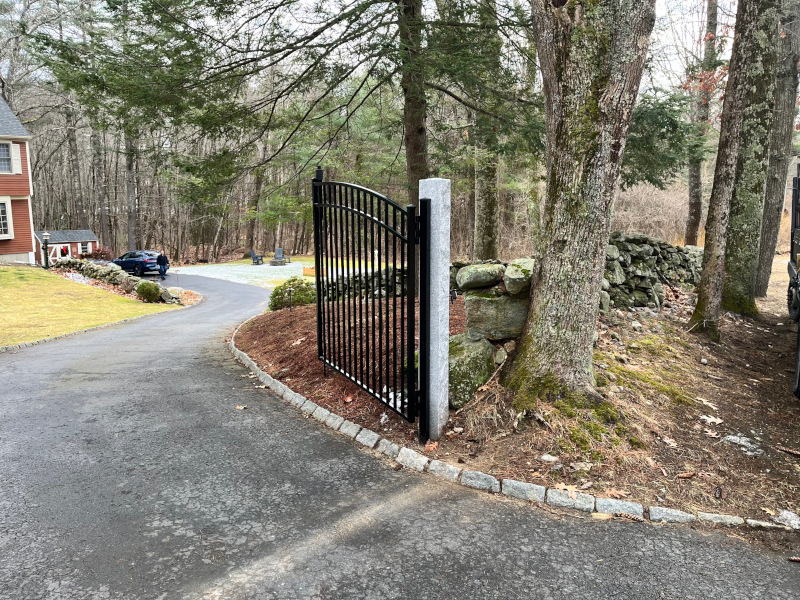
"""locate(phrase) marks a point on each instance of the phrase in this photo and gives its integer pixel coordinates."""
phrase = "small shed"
(70, 243)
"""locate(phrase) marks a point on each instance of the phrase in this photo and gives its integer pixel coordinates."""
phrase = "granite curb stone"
(334, 421)
(440, 469)
(412, 460)
(524, 491)
(561, 499)
(670, 515)
(765, 525)
(368, 438)
(321, 414)
(612, 506)
(480, 481)
(720, 519)
(388, 448)
(349, 429)
(309, 407)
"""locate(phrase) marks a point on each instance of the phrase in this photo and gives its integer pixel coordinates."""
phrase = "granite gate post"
(438, 191)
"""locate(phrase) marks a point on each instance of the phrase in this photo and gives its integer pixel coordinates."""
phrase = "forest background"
(196, 126)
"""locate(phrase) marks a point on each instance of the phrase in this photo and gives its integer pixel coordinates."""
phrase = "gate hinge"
(417, 229)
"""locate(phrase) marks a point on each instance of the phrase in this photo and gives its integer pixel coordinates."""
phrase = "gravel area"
(259, 275)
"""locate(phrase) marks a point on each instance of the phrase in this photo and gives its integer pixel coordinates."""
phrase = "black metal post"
(424, 318)
(46, 255)
(316, 194)
(411, 282)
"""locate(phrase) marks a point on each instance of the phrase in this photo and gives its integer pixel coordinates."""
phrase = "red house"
(16, 218)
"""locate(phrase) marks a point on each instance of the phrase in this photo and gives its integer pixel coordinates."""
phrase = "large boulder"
(494, 317)
(517, 277)
(479, 276)
(471, 365)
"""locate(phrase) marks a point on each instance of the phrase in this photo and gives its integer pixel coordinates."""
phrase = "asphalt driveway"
(127, 472)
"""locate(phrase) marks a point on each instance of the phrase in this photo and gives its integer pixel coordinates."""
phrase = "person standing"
(163, 262)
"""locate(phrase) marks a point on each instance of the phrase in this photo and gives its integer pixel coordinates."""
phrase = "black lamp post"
(46, 238)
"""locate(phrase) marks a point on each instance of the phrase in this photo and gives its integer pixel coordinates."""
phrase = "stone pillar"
(438, 190)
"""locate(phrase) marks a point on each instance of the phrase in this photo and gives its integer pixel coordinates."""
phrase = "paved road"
(126, 472)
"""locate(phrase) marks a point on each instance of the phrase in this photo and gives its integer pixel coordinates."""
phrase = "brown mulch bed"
(678, 397)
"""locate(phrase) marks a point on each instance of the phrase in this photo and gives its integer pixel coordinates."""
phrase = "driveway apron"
(126, 471)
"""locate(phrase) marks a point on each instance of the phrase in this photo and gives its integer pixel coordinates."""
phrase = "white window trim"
(10, 235)
(16, 157)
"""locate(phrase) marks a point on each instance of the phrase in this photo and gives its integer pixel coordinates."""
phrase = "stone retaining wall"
(496, 294)
(114, 275)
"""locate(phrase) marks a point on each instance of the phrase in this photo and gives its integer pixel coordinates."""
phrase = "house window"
(84, 248)
(5, 157)
(6, 221)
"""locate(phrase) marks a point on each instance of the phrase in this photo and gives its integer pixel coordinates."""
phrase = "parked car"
(138, 262)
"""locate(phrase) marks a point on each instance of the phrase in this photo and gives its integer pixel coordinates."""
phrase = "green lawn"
(36, 304)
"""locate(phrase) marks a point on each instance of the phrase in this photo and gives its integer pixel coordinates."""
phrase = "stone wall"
(637, 268)
(114, 275)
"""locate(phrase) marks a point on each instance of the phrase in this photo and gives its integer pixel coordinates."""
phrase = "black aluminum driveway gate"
(366, 272)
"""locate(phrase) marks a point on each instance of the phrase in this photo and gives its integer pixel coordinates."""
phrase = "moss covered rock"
(495, 317)
(471, 365)
(479, 276)
(517, 277)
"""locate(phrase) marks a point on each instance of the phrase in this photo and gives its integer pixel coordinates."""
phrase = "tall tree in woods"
(747, 202)
(780, 146)
(592, 56)
(753, 38)
(704, 82)
(486, 236)
(411, 26)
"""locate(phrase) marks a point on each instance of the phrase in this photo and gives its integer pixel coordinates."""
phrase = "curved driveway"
(127, 472)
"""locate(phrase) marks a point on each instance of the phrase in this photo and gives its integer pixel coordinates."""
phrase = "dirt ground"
(672, 399)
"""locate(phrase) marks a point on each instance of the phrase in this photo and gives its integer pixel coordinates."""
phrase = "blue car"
(138, 262)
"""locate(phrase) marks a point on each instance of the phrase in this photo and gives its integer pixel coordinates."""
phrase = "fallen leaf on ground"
(570, 489)
(615, 493)
(298, 342)
(794, 558)
(669, 442)
(348, 399)
(431, 446)
(705, 402)
(602, 516)
(710, 420)
(260, 387)
(711, 433)
(241, 406)
(769, 512)
(587, 485)
(686, 475)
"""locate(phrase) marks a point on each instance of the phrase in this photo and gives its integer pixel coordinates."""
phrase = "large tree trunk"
(746, 50)
(780, 149)
(701, 116)
(415, 106)
(747, 203)
(487, 208)
(591, 56)
(71, 117)
(130, 191)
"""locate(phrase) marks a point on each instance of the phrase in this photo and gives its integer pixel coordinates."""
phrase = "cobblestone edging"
(103, 326)
(529, 492)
